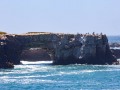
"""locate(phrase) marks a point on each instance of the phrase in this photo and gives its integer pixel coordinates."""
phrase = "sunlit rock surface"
(62, 48)
(84, 49)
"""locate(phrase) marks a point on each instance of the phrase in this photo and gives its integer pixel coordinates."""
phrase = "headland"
(62, 48)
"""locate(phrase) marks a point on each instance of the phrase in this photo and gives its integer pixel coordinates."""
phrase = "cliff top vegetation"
(2, 33)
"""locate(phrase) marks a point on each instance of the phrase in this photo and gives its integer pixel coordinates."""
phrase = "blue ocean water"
(42, 75)
(114, 39)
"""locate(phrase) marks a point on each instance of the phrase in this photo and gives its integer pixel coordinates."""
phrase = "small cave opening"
(35, 54)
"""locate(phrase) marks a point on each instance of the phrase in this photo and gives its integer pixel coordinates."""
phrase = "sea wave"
(39, 75)
(36, 62)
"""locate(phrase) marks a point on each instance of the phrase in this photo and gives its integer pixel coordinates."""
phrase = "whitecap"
(36, 62)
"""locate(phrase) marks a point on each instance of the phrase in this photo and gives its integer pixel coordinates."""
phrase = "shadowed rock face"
(5, 57)
(116, 53)
(63, 48)
(35, 54)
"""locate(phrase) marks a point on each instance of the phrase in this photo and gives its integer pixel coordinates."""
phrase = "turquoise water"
(44, 76)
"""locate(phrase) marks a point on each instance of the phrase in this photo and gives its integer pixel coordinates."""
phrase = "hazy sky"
(68, 16)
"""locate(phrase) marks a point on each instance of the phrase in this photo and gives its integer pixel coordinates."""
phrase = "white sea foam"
(27, 80)
(36, 62)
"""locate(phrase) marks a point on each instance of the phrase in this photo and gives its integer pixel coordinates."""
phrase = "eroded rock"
(85, 49)
(63, 48)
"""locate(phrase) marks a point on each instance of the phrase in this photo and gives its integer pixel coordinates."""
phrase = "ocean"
(42, 75)
(113, 39)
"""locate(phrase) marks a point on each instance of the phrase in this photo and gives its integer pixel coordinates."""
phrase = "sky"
(62, 16)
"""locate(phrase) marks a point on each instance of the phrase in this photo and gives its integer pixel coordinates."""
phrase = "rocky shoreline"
(85, 49)
(113, 45)
(115, 48)
(62, 48)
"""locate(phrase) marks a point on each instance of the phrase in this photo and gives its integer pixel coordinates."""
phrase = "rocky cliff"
(84, 49)
(5, 58)
(63, 48)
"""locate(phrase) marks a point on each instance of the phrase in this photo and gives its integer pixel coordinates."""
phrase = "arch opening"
(35, 54)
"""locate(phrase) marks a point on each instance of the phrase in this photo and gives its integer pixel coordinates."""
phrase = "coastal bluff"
(62, 48)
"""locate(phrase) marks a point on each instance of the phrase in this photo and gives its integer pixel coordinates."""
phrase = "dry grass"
(36, 33)
(2, 33)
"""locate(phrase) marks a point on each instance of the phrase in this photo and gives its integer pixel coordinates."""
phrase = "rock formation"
(5, 62)
(35, 54)
(113, 45)
(84, 49)
(63, 48)
(115, 48)
(116, 52)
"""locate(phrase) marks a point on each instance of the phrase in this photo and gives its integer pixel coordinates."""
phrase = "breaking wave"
(43, 75)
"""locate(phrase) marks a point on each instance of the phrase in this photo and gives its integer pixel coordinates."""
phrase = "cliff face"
(63, 48)
(5, 61)
(84, 49)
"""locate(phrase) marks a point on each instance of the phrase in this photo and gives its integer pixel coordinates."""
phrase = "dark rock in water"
(113, 45)
(63, 48)
(4, 61)
(10, 50)
(6, 65)
(13, 49)
(116, 52)
(115, 48)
